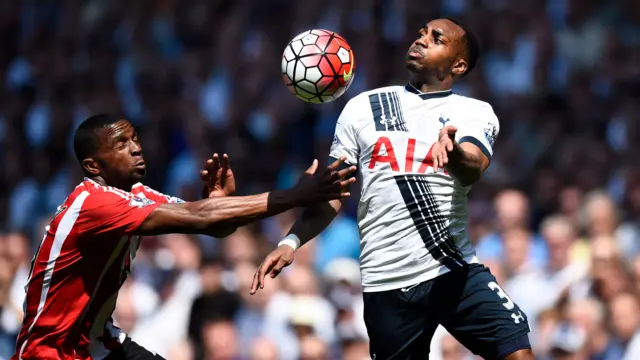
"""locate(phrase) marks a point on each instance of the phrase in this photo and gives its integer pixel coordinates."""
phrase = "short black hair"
(85, 140)
(471, 42)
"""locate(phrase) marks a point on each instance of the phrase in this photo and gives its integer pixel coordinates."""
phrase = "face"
(119, 160)
(437, 51)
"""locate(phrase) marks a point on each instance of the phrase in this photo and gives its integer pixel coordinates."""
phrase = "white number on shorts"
(508, 303)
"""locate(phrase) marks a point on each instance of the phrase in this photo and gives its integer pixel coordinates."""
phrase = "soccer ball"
(318, 66)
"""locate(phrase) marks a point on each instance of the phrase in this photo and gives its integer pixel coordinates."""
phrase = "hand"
(331, 184)
(272, 265)
(218, 178)
(442, 148)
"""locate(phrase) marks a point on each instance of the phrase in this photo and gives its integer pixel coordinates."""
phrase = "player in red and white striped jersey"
(88, 247)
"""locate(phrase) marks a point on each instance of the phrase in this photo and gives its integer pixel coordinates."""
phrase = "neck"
(101, 181)
(98, 180)
(432, 86)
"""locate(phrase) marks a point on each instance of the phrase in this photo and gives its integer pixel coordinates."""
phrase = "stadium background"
(555, 217)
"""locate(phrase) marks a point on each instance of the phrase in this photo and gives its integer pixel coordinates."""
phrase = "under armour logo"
(388, 121)
(517, 318)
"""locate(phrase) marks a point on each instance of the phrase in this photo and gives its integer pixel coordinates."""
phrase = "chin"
(413, 67)
(138, 175)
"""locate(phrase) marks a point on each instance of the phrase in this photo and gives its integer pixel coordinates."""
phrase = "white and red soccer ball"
(318, 66)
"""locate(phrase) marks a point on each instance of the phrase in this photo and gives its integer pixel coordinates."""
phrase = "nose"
(136, 149)
(422, 41)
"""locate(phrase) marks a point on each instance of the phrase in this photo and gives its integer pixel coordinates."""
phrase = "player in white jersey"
(419, 148)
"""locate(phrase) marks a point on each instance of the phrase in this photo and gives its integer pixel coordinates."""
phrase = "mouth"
(140, 165)
(415, 53)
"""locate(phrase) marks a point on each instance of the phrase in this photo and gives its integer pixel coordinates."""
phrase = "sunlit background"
(556, 216)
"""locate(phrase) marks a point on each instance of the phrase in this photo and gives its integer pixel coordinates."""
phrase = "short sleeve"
(117, 213)
(157, 196)
(480, 126)
(344, 139)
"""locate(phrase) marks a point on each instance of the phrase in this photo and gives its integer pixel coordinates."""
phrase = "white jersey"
(412, 219)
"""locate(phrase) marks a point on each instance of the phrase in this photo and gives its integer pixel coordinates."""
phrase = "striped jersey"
(81, 263)
(412, 218)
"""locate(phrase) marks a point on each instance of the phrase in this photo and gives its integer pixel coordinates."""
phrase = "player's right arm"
(314, 219)
(210, 215)
(118, 213)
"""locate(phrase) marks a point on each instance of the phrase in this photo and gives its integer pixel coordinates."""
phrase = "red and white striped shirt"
(83, 260)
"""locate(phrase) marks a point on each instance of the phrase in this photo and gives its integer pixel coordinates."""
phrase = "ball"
(318, 66)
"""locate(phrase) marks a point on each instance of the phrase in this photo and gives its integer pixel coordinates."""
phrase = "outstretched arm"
(210, 216)
(316, 218)
(311, 222)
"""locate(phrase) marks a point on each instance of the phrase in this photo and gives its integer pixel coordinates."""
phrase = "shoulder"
(141, 190)
(105, 196)
(358, 108)
(473, 108)
(471, 104)
(465, 110)
(366, 96)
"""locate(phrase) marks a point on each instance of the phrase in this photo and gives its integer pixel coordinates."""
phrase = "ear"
(91, 166)
(459, 67)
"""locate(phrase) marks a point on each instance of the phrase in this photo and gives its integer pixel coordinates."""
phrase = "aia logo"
(383, 152)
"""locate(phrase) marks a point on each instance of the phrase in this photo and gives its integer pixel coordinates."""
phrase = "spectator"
(556, 217)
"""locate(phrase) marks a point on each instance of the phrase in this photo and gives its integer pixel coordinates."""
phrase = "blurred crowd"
(556, 217)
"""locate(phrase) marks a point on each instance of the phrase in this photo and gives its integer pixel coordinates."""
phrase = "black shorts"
(132, 351)
(468, 302)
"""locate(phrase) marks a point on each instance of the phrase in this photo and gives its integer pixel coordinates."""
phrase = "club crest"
(491, 132)
(140, 202)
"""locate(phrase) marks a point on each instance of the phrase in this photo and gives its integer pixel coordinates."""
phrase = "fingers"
(224, 165)
(258, 277)
(211, 167)
(204, 175)
(225, 161)
(312, 169)
(344, 184)
(336, 164)
(444, 159)
(435, 152)
(214, 164)
(450, 130)
(344, 172)
(277, 269)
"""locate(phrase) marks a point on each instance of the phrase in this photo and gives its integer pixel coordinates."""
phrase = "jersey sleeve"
(149, 193)
(480, 127)
(114, 213)
(344, 139)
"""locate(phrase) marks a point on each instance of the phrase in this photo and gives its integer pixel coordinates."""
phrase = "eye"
(437, 40)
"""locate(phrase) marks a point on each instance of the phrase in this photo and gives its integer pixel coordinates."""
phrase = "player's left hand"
(272, 265)
(217, 177)
(443, 146)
